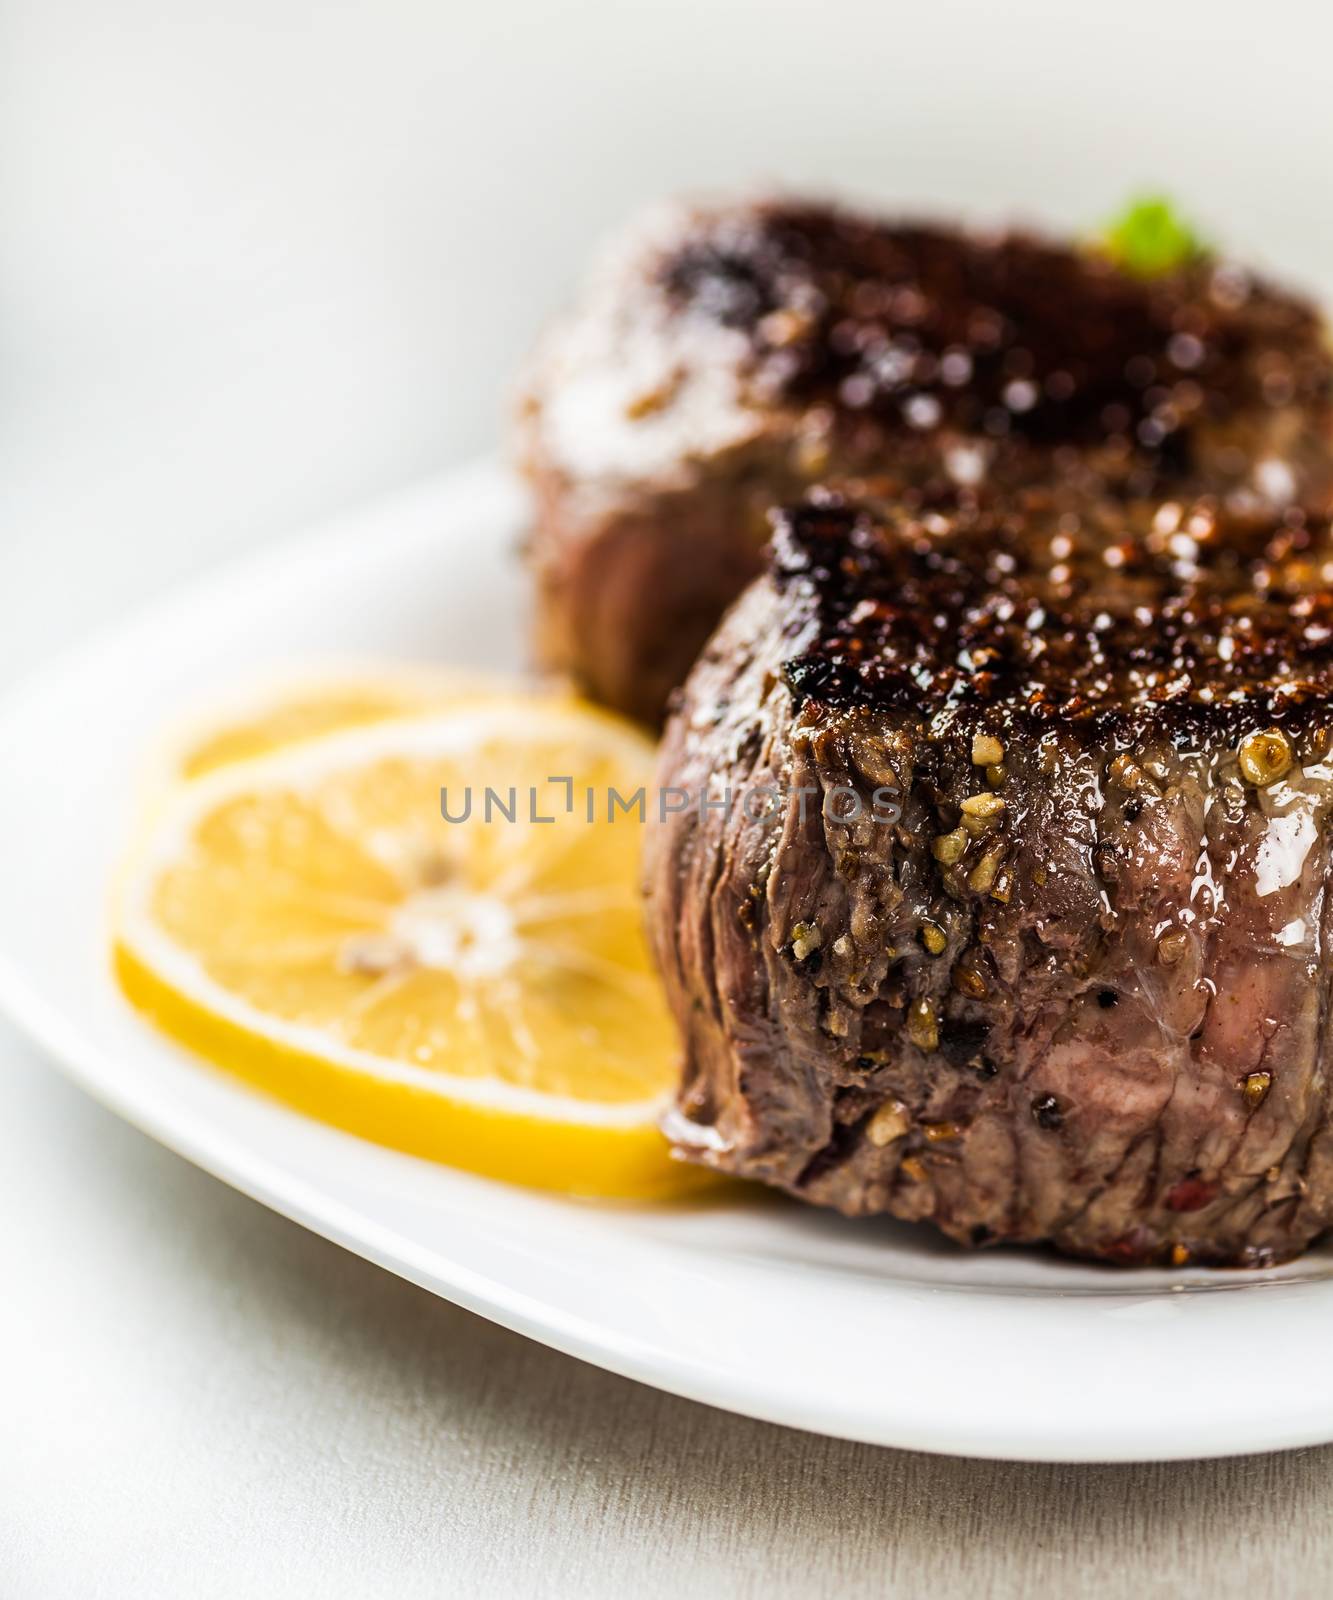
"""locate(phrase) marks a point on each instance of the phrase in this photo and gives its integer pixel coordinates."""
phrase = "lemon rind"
(452, 732)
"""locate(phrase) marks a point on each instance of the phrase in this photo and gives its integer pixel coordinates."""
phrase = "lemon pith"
(478, 992)
(627, 1162)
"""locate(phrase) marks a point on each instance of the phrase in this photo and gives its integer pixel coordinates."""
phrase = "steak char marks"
(725, 359)
(1034, 942)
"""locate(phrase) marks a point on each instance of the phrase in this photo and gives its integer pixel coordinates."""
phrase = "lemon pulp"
(476, 990)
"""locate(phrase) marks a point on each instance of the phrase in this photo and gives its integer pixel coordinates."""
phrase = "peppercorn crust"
(1076, 994)
(1189, 618)
(1004, 335)
(726, 358)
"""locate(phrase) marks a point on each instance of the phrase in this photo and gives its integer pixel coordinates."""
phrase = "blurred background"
(263, 258)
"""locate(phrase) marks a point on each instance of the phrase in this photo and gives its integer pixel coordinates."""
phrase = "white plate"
(873, 1331)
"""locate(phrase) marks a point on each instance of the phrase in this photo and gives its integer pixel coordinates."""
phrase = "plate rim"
(76, 1053)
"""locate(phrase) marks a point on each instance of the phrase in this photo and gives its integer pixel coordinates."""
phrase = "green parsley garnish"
(1149, 237)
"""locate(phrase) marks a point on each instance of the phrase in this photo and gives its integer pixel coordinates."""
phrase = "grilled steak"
(725, 359)
(999, 898)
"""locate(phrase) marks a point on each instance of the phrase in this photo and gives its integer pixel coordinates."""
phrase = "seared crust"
(928, 328)
(1077, 993)
(1184, 621)
(726, 358)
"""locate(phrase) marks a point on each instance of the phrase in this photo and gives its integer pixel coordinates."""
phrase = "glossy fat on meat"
(1114, 1039)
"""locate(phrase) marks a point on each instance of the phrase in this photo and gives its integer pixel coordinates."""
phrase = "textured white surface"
(202, 1401)
(781, 1312)
(262, 258)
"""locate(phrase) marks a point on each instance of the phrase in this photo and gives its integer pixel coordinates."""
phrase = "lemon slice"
(475, 990)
